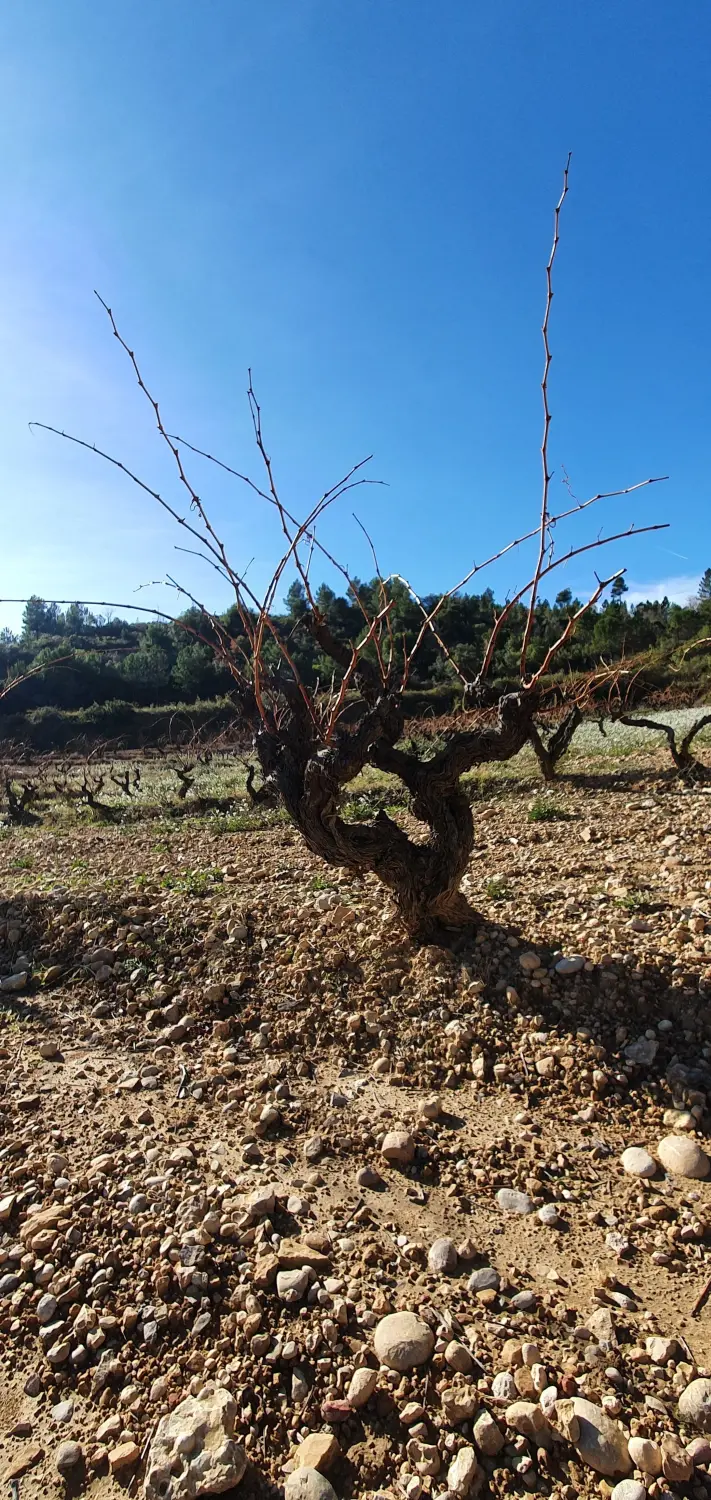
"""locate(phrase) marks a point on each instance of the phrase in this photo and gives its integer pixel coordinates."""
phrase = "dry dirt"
(228, 1014)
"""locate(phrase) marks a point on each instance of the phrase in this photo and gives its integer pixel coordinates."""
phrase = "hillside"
(128, 680)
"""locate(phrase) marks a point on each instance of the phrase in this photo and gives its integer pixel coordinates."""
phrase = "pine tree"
(704, 587)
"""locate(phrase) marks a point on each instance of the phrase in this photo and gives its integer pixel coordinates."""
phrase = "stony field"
(245, 1125)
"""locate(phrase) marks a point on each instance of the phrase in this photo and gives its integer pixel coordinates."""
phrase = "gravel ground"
(243, 1121)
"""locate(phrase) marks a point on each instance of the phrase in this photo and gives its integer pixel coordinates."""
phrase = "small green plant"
(320, 883)
(542, 811)
(633, 901)
(496, 889)
(362, 809)
(25, 862)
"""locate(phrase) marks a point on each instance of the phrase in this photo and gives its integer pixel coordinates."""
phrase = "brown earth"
(209, 936)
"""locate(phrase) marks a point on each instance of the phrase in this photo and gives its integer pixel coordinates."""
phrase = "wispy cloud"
(679, 587)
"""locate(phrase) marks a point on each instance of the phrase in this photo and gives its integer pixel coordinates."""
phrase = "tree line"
(106, 659)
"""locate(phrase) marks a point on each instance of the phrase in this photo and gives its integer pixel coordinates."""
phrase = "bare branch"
(603, 583)
(519, 542)
(309, 535)
(549, 568)
(44, 666)
(429, 624)
(545, 540)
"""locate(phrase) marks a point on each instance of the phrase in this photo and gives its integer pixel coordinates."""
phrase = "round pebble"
(638, 1162)
(683, 1157)
(442, 1256)
(402, 1341)
(629, 1489)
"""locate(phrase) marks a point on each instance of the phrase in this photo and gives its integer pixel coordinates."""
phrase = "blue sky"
(355, 198)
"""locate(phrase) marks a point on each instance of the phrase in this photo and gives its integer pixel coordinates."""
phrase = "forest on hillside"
(105, 660)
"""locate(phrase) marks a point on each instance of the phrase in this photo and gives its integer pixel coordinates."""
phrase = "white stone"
(503, 1388)
(292, 1285)
(601, 1443)
(362, 1385)
(637, 1162)
(194, 1451)
(424, 1456)
(488, 1435)
(571, 965)
(514, 1202)
(46, 1308)
(67, 1457)
(260, 1203)
(629, 1489)
(662, 1350)
(600, 1323)
(463, 1473)
(646, 1455)
(402, 1341)
(682, 1156)
(308, 1484)
(442, 1256)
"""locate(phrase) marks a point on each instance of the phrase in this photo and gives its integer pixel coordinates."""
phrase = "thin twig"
(44, 666)
(545, 541)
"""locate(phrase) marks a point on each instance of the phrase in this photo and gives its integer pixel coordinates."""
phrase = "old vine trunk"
(423, 877)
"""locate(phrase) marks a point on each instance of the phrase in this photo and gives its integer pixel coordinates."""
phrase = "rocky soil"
(290, 1206)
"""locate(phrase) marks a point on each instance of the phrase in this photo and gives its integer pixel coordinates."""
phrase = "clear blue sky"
(355, 197)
